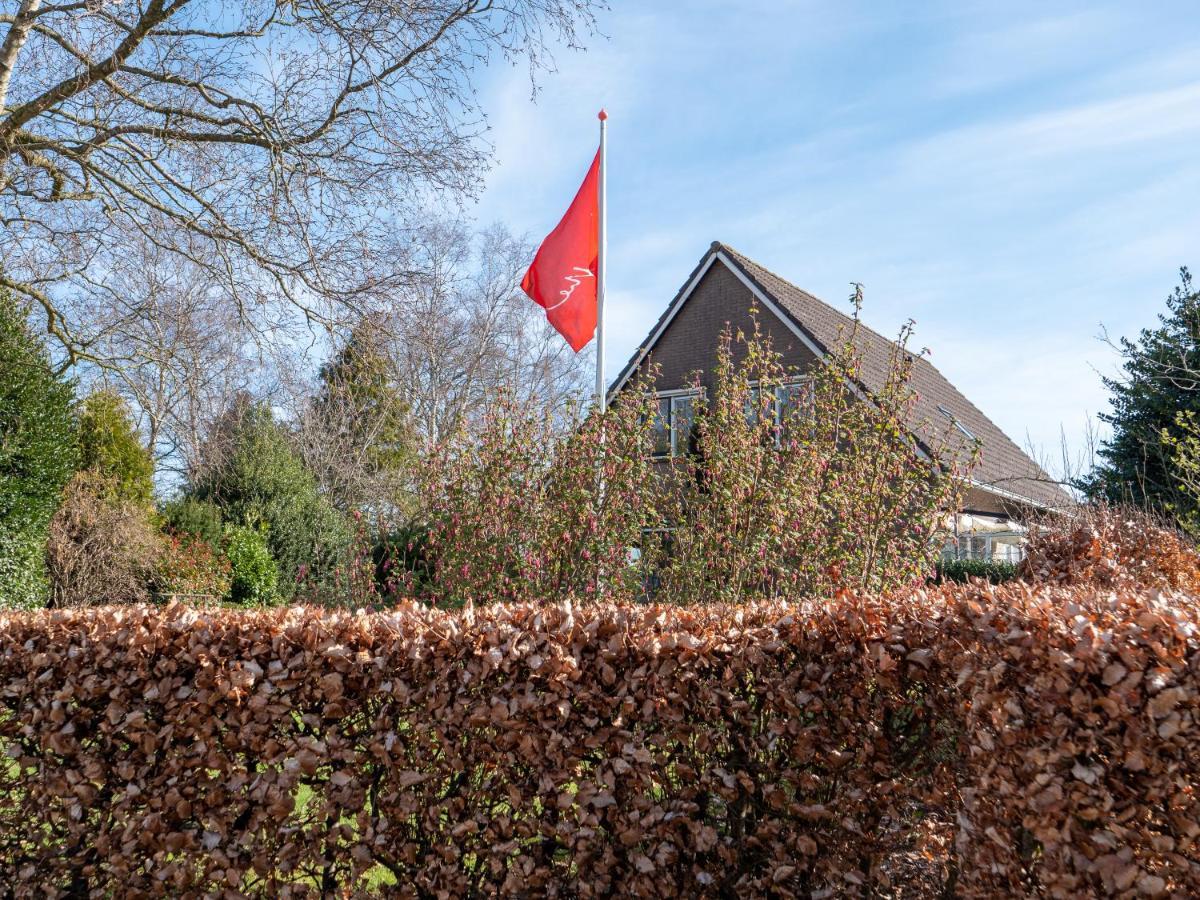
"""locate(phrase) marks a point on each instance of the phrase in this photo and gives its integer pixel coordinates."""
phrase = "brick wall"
(690, 342)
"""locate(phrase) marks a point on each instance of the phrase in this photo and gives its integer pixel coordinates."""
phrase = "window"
(973, 546)
(755, 406)
(1007, 548)
(672, 426)
(793, 398)
(957, 424)
(660, 429)
(1004, 546)
(788, 398)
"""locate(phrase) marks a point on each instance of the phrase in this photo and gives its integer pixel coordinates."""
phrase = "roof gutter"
(1009, 495)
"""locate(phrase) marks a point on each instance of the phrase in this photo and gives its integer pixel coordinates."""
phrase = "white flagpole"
(602, 265)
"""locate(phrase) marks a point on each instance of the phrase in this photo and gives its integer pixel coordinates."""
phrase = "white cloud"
(1003, 53)
(1155, 116)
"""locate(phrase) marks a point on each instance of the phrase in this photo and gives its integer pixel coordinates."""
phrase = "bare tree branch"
(173, 346)
(278, 145)
(464, 331)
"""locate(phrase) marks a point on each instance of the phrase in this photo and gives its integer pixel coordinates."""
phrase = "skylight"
(957, 424)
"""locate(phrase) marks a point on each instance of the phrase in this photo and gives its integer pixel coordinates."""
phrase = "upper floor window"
(781, 404)
(673, 421)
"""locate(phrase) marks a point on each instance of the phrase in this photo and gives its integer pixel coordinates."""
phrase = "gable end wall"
(690, 341)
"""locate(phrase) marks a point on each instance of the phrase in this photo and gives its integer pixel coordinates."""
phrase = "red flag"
(562, 278)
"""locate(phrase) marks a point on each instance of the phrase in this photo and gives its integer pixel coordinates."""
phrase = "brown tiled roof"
(1003, 466)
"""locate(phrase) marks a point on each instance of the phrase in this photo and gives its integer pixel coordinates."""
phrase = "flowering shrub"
(830, 494)
(369, 575)
(969, 740)
(834, 496)
(1111, 546)
(993, 570)
(525, 508)
(190, 566)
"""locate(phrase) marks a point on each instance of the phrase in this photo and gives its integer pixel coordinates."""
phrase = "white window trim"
(671, 394)
(989, 538)
(782, 383)
(776, 407)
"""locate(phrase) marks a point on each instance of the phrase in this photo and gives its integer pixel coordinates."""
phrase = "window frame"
(953, 419)
(671, 396)
(960, 546)
(753, 401)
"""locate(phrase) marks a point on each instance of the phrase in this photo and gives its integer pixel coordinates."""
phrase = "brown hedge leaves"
(1112, 547)
(988, 740)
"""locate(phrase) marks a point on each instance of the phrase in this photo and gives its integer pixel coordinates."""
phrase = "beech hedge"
(968, 739)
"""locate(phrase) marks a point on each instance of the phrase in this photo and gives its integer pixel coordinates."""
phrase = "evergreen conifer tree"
(1161, 381)
(361, 444)
(109, 446)
(257, 480)
(38, 454)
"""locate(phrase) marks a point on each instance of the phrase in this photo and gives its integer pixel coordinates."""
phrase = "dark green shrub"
(187, 515)
(255, 478)
(403, 562)
(23, 582)
(38, 455)
(254, 577)
(962, 570)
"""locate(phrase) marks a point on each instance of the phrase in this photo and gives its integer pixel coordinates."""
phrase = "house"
(1007, 488)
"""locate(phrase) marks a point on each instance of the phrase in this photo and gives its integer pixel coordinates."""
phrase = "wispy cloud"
(1016, 50)
(1148, 117)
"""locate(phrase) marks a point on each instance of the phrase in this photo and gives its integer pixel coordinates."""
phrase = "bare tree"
(449, 340)
(465, 330)
(176, 350)
(448, 344)
(1070, 465)
(269, 143)
(351, 425)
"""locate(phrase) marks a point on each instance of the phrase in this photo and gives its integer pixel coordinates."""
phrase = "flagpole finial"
(602, 115)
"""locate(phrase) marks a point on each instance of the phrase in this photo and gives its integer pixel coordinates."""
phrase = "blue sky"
(1010, 175)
